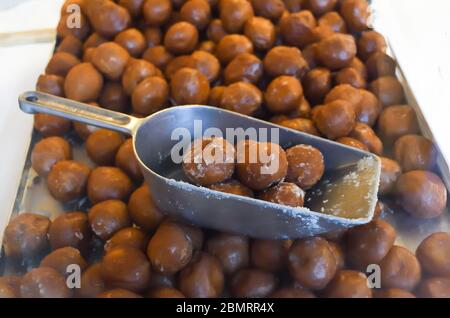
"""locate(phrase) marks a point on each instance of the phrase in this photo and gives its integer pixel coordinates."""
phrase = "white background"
(418, 30)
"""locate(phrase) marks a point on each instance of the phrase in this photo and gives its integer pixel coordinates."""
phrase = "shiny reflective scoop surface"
(346, 196)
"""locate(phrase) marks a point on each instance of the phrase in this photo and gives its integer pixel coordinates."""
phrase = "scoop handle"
(37, 102)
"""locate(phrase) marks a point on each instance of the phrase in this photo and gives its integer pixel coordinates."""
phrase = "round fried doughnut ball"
(234, 14)
(260, 164)
(142, 209)
(367, 136)
(297, 28)
(356, 14)
(181, 38)
(157, 12)
(284, 94)
(397, 121)
(252, 283)
(170, 249)
(49, 151)
(150, 95)
(317, 84)
(61, 63)
(231, 250)
(106, 17)
(336, 119)
(380, 64)
(129, 237)
(261, 33)
(348, 284)
(83, 83)
(67, 180)
(312, 263)
(270, 9)
(400, 269)
(370, 42)
(369, 244)
(422, 194)
(108, 217)
(390, 171)
(70, 229)
(135, 72)
(320, 7)
(126, 267)
(111, 59)
(434, 254)
(158, 55)
(241, 97)
(209, 161)
(127, 161)
(231, 46)
(285, 60)
(44, 282)
(51, 84)
(245, 67)
(437, 287)
(102, 146)
(269, 255)
(113, 97)
(62, 258)
(414, 152)
(388, 89)
(197, 12)
(336, 51)
(207, 64)
(233, 187)
(284, 193)
(132, 40)
(215, 31)
(108, 183)
(189, 86)
(26, 236)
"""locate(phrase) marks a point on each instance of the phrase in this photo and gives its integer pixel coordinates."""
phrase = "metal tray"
(33, 196)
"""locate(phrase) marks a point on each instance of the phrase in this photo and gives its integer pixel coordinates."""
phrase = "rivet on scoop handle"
(36, 102)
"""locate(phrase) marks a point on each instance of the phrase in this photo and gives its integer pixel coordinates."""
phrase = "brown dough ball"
(127, 161)
(336, 119)
(317, 84)
(108, 183)
(261, 33)
(312, 263)
(434, 254)
(388, 89)
(157, 12)
(234, 14)
(336, 51)
(61, 63)
(348, 284)
(371, 42)
(170, 249)
(150, 95)
(333, 21)
(300, 124)
(106, 17)
(209, 161)
(197, 12)
(245, 67)
(135, 72)
(44, 282)
(92, 283)
(83, 83)
(231, 46)
(260, 164)
(125, 267)
(241, 97)
(284, 193)
(61, 259)
(26, 236)
(108, 217)
(132, 40)
(127, 237)
(369, 244)
(72, 45)
(414, 152)
(269, 255)
(356, 14)
(252, 283)
(49, 151)
(437, 287)
(231, 250)
(111, 59)
(367, 136)
(113, 97)
(351, 142)
(67, 180)
(181, 38)
(142, 209)
(297, 28)
(102, 146)
(351, 76)
(70, 229)
(216, 31)
(51, 84)
(380, 64)
(270, 9)
(390, 171)
(284, 60)
(400, 269)
(189, 86)
(283, 94)
(158, 55)
(397, 121)
(207, 64)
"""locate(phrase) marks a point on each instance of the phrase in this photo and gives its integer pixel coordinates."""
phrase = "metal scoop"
(345, 197)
